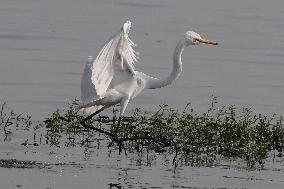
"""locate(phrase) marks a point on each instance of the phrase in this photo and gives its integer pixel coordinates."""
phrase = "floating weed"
(185, 136)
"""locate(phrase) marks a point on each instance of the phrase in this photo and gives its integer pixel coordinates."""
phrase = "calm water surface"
(45, 44)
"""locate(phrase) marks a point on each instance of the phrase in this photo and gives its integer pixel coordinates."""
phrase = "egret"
(111, 78)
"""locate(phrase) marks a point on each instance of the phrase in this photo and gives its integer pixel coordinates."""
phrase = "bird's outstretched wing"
(117, 53)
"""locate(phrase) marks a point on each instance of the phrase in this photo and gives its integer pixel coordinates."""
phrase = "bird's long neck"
(177, 68)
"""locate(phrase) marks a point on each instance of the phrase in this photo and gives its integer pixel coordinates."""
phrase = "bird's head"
(193, 38)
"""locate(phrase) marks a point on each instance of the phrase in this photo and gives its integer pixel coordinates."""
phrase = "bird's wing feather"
(117, 53)
(88, 90)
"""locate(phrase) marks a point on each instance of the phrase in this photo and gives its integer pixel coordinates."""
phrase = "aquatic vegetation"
(190, 138)
(9, 118)
(13, 163)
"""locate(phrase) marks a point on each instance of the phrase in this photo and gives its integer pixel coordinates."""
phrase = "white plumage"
(111, 78)
(117, 55)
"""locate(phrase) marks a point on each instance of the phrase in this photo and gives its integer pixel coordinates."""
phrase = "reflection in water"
(136, 170)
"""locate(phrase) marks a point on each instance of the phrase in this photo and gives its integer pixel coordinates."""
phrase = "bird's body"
(111, 78)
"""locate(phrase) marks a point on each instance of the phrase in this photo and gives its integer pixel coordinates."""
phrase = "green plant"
(190, 138)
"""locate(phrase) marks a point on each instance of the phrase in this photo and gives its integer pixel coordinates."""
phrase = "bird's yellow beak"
(206, 41)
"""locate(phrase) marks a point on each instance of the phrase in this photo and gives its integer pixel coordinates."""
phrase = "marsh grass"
(190, 138)
(9, 118)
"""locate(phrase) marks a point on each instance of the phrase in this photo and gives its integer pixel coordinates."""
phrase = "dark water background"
(44, 45)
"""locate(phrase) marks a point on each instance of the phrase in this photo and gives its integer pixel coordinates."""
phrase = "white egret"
(111, 78)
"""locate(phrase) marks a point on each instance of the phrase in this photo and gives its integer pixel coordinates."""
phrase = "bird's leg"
(119, 121)
(123, 105)
(121, 57)
(116, 127)
(83, 121)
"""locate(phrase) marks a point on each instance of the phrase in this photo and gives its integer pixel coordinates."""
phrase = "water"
(45, 44)
(73, 168)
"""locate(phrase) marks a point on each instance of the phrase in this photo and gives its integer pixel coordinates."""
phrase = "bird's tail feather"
(92, 109)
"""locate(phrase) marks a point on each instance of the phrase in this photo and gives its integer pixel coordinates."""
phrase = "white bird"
(111, 78)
